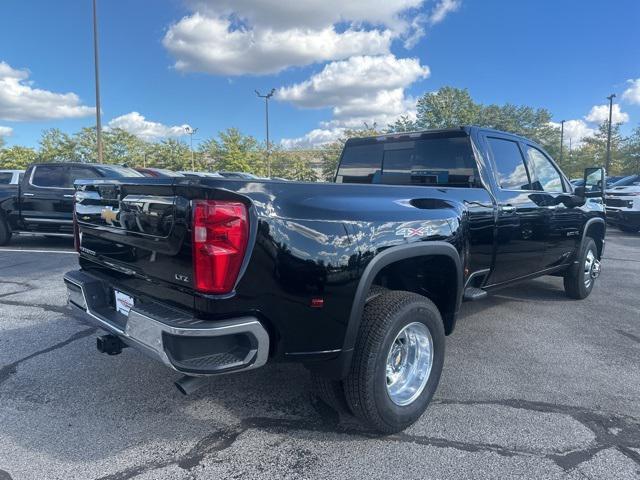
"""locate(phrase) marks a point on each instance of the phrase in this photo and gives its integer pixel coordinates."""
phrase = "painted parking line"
(36, 251)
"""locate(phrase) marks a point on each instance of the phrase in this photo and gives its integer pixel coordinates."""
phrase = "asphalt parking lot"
(535, 386)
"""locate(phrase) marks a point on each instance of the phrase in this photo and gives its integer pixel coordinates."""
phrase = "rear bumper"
(182, 342)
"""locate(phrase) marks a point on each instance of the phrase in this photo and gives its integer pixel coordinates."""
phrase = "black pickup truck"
(43, 200)
(359, 280)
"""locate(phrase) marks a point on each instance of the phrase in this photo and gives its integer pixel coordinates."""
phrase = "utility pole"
(191, 132)
(608, 163)
(266, 106)
(97, 73)
(561, 139)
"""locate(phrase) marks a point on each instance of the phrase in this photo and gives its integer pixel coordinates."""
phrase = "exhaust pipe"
(187, 385)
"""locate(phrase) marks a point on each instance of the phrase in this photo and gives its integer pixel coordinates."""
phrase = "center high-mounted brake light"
(220, 237)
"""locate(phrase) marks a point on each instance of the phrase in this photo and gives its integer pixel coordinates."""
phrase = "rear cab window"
(438, 159)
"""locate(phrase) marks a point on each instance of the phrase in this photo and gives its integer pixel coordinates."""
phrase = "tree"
(169, 153)
(122, 147)
(447, 108)
(234, 151)
(631, 153)
(523, 120)
(17, 157)
(293, 165)
(402, 124)
(56, 145)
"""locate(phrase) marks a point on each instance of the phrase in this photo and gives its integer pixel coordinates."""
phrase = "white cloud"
(579, 129)
(575, 131)
(360, 89)
(20, 101)
(237, 37)
(6, 131)
(139, 126)
(315, 14)
(632, 94)
(314, 138)
(442, 9)
(600, 114)
(211, 45)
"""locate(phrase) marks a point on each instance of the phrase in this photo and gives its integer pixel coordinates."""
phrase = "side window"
(51, 176)
(82, 173)
(511, 172)
(544, 175)
(360, 163)
(5, 178)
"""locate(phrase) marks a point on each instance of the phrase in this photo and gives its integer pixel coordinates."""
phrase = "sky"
(334, 64)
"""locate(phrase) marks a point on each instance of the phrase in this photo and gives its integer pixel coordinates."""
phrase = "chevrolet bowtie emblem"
(109, 215)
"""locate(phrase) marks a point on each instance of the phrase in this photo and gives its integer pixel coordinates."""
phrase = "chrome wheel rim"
(409, 363)
(591, 268)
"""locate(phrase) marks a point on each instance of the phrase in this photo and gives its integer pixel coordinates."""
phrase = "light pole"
(266, 107)
(191, 132)
(608, 163)
(561, 139)
(97, 73)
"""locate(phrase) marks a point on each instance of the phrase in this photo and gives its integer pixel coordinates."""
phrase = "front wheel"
(582, 275)
(397, 361)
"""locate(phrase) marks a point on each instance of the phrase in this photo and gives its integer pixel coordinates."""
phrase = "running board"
(471, 294)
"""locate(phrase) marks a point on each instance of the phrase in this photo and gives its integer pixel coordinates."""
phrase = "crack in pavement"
(46, 307)
(611, 431)
(630, 336)
(7, 370)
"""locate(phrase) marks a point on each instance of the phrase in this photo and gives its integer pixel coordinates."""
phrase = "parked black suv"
(359, 280)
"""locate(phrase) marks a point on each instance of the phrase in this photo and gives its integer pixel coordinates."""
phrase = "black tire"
(574, 280)
(629, 228)
(5, 232)
(331, 392)
(366, 384)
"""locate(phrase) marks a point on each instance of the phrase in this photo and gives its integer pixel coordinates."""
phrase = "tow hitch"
(110, 344)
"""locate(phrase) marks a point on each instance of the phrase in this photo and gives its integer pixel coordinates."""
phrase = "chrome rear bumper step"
(186, 344)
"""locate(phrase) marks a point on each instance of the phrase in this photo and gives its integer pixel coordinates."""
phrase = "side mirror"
(594, 183)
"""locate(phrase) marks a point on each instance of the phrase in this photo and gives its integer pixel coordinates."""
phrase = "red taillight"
(220, 236)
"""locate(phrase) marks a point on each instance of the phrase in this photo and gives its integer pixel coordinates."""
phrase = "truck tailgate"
(140, 228)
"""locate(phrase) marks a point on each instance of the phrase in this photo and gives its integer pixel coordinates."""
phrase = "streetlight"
(97, 71)
(610, 98)
(266, 106)
(561, 138)
(191, 132)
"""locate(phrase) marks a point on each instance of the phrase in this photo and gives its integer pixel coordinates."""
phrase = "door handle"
(508, 208)
(27, 194)
(67, 195)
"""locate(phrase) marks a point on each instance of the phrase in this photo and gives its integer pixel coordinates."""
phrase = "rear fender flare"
(387, 257)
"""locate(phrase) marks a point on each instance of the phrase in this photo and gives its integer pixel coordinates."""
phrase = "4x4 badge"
(406, 232)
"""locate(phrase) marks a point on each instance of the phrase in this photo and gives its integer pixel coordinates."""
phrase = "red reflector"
(220, 236)
(317, 302)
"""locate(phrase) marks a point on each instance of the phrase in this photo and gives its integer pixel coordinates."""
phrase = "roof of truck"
(463, 129)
